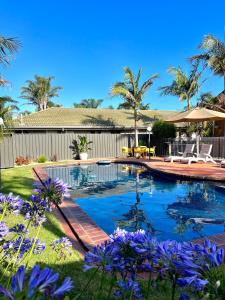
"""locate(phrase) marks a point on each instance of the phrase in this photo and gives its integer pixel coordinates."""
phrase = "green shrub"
(162, 129)
(41, 159)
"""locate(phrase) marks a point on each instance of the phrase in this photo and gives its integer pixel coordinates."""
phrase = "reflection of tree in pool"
(135, 218)
(81, 176)
(191, 210)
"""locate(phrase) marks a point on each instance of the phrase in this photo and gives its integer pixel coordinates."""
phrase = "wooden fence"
(33, 145)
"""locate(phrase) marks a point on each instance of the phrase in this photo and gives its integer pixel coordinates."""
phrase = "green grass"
(19, 181)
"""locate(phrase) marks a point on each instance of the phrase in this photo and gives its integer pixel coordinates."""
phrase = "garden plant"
(130, 265)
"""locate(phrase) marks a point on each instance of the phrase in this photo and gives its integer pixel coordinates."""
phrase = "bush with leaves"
(162, 129)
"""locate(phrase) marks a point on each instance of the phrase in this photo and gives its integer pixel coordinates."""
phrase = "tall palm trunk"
(135, 128)
(188, 103)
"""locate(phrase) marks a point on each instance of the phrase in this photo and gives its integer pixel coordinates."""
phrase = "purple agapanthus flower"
(52, 190)
(63, 247)
(35, 210)
(126, 288)
(39, 284)
(19, 229)
(4, 230)
(127, 253)
(10, 204)
(11, 248)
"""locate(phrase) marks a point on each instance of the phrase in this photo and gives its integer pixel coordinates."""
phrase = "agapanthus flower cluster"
(19, 247)
(52, 190)
(130, 253)
(40, 284)
(10, 204)
(128, 289)
(62, 247)
(4, 230)
(35, 210)
(19, 229)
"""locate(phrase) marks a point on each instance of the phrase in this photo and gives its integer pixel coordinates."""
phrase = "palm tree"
(53, 104)
(126, 105)
(8, 46)
(184, 86)
(88, 103)
(213, 55)
(132, 94)
(8, 100)
(39, 91)
(207, 99)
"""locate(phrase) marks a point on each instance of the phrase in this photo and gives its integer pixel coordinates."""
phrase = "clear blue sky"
(85, 44)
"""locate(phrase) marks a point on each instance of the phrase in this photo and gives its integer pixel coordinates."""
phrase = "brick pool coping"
(85, 233)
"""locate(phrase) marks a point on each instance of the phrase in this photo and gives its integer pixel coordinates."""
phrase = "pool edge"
(85, 230)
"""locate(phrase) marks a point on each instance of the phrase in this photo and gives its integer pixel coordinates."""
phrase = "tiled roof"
(58, 117)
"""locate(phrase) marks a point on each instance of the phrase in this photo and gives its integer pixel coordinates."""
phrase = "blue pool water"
(131, 197)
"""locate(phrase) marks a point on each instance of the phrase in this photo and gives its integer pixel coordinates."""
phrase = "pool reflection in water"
(131, 197)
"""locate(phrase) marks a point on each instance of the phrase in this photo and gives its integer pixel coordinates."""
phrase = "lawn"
(19, 181)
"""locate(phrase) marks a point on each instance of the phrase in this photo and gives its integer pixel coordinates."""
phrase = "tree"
(25, 112)
(53, 104)
(163, 129)
(126, 105)
(39, 91)
(184, 86)
(4, 100)
(88, 103)
(213, 55)
(207, 99)
(110, 107)
(132, 93)
(8, 46)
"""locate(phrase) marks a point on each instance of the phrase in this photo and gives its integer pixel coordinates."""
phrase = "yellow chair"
(152, 151)
(126, 151)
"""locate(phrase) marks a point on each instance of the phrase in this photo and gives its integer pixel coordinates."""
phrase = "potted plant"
(80, 148)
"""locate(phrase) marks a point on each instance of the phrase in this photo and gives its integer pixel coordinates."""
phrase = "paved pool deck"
(82, 230)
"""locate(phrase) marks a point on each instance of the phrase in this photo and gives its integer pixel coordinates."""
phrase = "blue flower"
(184, 296)
(4, 230)
(40, 282)
(19, 229)
(62, 247)
(52, 190)
(23, 245)
(128, 287)
(10, 203)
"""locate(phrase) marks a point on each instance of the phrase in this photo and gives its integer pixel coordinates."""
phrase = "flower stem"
(101, 285)
(3, 213)
(87, 284)
(149, 284)
(33, 245)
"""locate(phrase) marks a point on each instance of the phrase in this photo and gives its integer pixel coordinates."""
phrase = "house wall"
(33, 144)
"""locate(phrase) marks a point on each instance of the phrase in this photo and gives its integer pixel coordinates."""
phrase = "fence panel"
(58, 144)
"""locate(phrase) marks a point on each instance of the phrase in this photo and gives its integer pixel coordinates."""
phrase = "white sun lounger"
(204, 155)
(188, 151)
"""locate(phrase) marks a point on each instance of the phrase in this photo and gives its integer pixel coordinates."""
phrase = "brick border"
(74, 220)
(85, 233)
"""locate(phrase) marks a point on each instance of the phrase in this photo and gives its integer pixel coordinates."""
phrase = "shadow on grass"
(21, 186)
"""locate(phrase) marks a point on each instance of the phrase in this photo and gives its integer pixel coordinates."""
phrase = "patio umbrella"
(198, 114)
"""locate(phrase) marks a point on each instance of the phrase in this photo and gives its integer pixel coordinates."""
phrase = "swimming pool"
(131, 197)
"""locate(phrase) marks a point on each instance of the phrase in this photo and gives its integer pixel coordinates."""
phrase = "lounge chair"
(188, 151)
(222, 163)
(204, 155)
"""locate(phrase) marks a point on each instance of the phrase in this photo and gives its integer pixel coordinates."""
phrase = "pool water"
(131, 197)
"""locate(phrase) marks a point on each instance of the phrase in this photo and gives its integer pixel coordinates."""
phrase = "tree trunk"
(135, 128)
(188, 104)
